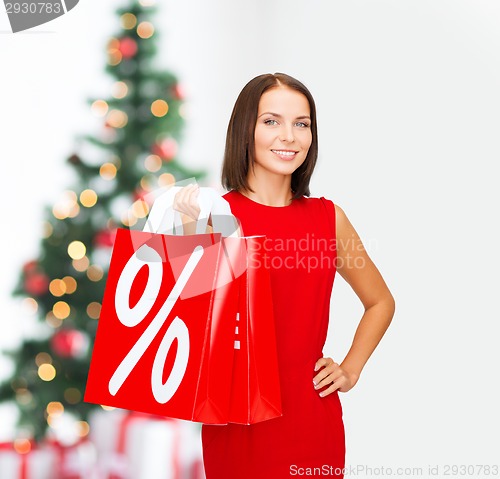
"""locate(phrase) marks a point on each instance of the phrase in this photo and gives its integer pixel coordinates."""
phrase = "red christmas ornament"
(178, 91)
(30, 267)
(139, 194)
(166, 149)
(127, 47)
(69, 343)
(105, 238)
(36, 284)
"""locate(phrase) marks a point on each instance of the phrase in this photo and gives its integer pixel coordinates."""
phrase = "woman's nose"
(286, 134)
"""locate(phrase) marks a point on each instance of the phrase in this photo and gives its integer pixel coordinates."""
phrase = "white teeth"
(284, 153)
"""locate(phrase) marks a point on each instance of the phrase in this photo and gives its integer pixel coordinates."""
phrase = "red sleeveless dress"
(309, 437)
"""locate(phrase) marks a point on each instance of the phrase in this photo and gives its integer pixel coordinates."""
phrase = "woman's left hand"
(334, 375)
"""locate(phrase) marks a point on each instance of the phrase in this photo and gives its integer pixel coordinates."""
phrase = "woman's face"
(283, 131)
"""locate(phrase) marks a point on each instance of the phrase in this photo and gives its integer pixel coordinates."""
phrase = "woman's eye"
(300, 124)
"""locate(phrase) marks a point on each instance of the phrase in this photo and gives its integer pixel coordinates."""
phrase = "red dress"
(310, 434)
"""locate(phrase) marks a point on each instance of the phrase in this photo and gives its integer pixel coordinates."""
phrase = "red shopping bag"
(186, 330)
(155, 352)
(255, 389)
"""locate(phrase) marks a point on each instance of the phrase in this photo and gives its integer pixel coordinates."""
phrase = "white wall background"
(408, 99)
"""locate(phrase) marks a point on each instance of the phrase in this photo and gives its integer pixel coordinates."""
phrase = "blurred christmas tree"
(137, 152)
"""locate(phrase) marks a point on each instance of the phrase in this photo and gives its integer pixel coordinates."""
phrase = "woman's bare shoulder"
(344, 227)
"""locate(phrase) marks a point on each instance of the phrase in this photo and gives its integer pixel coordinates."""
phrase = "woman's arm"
(359, 271)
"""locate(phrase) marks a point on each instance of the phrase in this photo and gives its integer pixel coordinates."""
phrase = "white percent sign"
(131, 317)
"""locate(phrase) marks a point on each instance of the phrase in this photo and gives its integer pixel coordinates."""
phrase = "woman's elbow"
(389, 306)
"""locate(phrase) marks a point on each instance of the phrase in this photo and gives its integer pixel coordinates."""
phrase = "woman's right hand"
(185, 201)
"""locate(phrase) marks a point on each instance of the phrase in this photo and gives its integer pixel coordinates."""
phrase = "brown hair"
(240, 145)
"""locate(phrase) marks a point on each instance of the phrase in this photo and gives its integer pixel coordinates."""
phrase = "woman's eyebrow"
(277, 115)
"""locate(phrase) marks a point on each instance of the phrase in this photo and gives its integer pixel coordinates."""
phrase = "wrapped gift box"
(134, 445)
(36, 463)
(74, 461)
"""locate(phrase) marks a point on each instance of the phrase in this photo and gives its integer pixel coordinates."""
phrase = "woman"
(271, 151)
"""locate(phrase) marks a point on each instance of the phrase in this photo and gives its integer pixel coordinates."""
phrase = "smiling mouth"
(285, 154)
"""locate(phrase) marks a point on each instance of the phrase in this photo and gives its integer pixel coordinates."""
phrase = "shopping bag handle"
(163, 218)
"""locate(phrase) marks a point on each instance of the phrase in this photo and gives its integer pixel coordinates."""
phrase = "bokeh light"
(57, 287)
(66, 206)
(24, 397)
(117, 118)
(107, 171)
(43, 358)
(152, 163)
(61, 310)
(119, 90)
(81, 264)
(159, 108)
(128, 21)
(74, 211)
(94, 310)
(128, 219)
(72, 396)
(55, 409)
(166, 179)
(76, 250)
(99, 108)
(22, 446)
(47, 372)
(114, 54)
(145, 30)
(30, 304)
(95, 272)
(52, 321)
(88, 198)
(70, 283)
(47, 230)
(83, 428)
(140, 209)
(147, 182)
